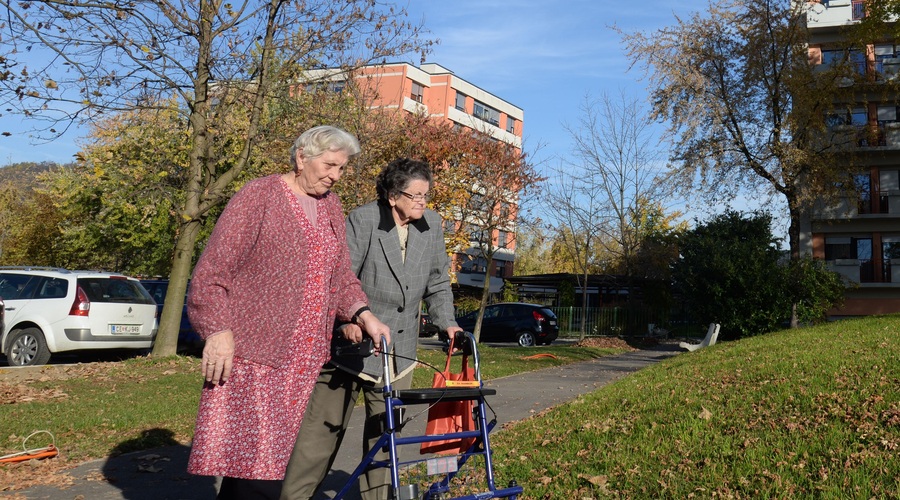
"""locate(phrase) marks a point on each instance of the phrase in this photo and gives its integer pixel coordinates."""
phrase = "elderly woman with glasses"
(398, 252)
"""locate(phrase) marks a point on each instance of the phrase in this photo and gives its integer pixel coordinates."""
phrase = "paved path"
(159, 474)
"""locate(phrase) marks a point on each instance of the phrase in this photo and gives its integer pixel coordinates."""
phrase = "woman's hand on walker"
(375, 328)
(351, 332)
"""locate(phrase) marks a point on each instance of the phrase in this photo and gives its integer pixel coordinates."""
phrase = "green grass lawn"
(811, 413)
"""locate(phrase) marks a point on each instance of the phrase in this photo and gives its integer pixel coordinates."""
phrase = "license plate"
(552, 323)
(125, 329)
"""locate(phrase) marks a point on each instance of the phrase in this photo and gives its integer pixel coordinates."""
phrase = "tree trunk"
(485, 295)
(584, 300)
(170, 322)
(795, 214)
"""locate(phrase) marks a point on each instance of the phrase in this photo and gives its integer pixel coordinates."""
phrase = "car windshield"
(114, 290)
(547, 312)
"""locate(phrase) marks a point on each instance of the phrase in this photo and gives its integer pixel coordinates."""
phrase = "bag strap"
(465, 359)
(449, 353)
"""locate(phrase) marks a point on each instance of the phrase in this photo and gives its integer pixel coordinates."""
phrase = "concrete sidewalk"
(159, 474)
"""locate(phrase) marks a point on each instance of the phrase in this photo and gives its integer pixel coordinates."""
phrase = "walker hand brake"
(363, 348)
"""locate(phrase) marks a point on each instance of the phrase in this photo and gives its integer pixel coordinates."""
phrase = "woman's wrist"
(356, 316)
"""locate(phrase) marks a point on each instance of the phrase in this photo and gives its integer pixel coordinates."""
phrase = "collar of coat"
(386, 220)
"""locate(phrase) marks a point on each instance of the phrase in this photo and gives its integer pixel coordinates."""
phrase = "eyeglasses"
(418, 198)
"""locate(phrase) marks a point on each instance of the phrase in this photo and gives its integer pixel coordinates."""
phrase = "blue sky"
(544, 56)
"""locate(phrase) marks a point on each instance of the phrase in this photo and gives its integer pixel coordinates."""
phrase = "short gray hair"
(318, 140)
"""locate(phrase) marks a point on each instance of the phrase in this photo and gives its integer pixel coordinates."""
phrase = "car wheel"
(27, 348)
(526, 339)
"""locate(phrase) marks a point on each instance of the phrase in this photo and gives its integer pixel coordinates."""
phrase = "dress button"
(400, 309)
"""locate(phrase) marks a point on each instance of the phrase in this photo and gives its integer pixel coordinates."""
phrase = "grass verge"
(809, 413)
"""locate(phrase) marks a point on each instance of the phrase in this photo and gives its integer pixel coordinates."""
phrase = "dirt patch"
(47, 373)
(605, 342)
(47, 472)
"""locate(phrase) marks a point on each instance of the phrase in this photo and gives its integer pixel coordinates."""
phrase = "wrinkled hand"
(453, 331)
(375, 329)
(451, 334)
(351, 332)
(218, 355)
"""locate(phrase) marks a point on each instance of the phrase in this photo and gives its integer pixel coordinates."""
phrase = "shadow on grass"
(154, 466)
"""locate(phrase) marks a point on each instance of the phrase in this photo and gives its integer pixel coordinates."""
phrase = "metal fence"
(615, 321)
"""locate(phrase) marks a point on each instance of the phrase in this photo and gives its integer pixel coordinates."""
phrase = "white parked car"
(50, 310)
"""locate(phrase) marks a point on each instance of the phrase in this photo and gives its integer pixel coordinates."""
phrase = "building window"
(460, 101)
(890, 249)
(417, 93)
(502, 239)
(856, 58)
(887, 114)
(839, 247)
(860, 249)
(859, 9)
(510, 125)
(474, 266)
(864, 188)
(500, 268)
(833, 57)
(336, 86)
(486, 113)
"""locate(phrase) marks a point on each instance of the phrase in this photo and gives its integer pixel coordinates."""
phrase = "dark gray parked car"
(188, 339)
(525, 324)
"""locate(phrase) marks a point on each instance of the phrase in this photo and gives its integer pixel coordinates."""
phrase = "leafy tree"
(729, 274)
(533, 252)
(37, 235)
(745, 106)
(28, 218)
(656, 231)
(219, 60)
(119, 203)
(814, 288)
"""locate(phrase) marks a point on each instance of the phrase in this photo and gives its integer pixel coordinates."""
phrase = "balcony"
(855, 270)
(849, 208)
(834, 13)
(866, 203)
(874, 136)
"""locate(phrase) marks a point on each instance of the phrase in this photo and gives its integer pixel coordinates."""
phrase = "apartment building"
(436, 92)
(860, 237)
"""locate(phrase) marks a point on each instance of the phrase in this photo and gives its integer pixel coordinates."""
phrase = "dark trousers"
(324, 424)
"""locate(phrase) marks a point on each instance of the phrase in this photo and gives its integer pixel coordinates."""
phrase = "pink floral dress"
(247, 426)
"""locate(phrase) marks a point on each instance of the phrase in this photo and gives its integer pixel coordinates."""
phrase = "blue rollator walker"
(395, 401)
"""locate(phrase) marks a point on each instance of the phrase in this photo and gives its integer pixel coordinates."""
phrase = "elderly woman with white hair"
(265, 295)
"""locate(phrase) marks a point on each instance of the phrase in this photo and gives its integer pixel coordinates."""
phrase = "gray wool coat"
(396, 287)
